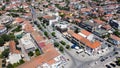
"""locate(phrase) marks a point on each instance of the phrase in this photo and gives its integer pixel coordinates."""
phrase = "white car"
(79, 51)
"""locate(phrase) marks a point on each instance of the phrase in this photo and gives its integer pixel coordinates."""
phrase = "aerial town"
(59, 33)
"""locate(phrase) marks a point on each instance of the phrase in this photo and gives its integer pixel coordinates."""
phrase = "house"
(3, 29)
(61, 27)
(18, 20)
(12, 6)
(27, 26)
(37, 36)
(51, 58)
(28, 43)
(106, 27)
(6, 19)
(114, 40)
(28, 15)
(15, 1)
(25, 5)
(14, 55)
(85, 38)
(49, 19)
(85, 11)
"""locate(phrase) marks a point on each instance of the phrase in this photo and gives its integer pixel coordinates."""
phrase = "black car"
(113, 65)
(116, 53)
(107, 66)
(102, 60)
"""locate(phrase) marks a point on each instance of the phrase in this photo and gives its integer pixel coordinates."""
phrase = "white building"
(14, 58)
(28, 42)
(61, 27)
(6, 19)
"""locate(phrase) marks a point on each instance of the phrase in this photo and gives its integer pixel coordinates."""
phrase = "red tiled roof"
(28, 27)
(63, 11)
(85, 32)
(13, 49)
(77, 20)
(98, 21)
(88, 43)
(37, 36)
(107, 27)
(19, 20)
(48, 17)
(85, 10)
(109, 15)
(115, 37)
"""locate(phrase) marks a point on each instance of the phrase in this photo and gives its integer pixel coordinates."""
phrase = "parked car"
(102, 59)
(79, 51)
(116, 53)
(113, 65)
(107, 66)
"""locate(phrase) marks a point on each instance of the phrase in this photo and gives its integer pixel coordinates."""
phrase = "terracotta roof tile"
(37, 36)
(77, 20)
(98, 21)
(107, 27)
(13, 49)
(88, 43)
(28, 27)
(48, 17)
(85, 10)
(85, 32)
(19, 20)
(115, 37)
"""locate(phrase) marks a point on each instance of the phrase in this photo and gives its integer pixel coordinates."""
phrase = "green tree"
(17, 29)
(7, 0)
(37, 52)
(8, 26)
(56, 44)
(16, 65)
(77, 30)
(117, 61)
(62, 42)
(3, 8)
(5, 37)
(67, 46)
(5, 53)
(117, 33)
(45, 33)
(61, 48)
(28, 0)
(53, 34)
(16, 41)
(12, 36)
(40, 18)
(10, 66)
(21, 61)
(1, 41)
(30, 53)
